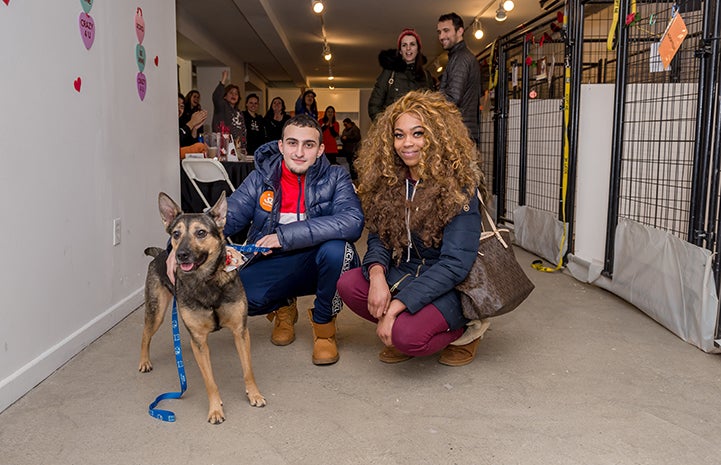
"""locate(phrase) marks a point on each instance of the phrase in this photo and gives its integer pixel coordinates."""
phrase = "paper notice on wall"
(671, 41)
(514, 76)
(654, 61)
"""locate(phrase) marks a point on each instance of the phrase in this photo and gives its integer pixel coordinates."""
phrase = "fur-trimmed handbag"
(496, 283)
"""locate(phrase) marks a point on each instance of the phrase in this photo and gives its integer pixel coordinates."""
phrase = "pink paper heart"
(142, 85)
(139, 25)
(87, 29)
(156, 60)
(77, 83)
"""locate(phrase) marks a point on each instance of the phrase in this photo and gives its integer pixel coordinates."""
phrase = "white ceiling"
(281, 40)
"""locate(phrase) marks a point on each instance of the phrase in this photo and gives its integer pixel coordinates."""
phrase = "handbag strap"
(492, 223)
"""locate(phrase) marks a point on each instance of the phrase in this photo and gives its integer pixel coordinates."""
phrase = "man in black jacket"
(461, 80)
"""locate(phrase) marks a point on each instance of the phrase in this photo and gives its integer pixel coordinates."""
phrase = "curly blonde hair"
(449, 171)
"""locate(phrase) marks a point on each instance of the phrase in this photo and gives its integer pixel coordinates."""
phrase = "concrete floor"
(573, 376)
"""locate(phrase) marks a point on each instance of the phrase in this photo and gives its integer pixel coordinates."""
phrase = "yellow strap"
(538, 264)
(614, 25)
(493, 74)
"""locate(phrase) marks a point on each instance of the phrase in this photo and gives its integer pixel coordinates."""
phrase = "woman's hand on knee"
(379, 296)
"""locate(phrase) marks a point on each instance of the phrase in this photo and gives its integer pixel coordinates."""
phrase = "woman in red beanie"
(402, 72)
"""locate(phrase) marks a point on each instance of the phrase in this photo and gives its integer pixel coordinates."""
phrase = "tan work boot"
(325, 349)
(392, 355)
(285, 317)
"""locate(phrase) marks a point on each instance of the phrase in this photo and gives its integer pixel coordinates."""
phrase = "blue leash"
(166, 415)
(249, 248)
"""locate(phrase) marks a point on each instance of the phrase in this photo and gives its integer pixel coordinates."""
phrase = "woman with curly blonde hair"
(418, 173)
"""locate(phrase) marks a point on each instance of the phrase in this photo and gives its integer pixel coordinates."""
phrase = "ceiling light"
(508, 5)
(501, 14)
(330, 78)
(477, 30)
(326, 52)
(317, 6)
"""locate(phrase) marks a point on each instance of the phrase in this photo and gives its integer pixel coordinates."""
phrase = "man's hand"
(271, 241)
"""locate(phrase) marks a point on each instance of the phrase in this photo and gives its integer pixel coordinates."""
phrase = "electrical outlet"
(116, 231)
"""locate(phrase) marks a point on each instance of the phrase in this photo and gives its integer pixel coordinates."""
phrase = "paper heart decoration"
(156, 60)
(87, 29)
(139, 25)
(142, 83)
(76, 83)
(87, 5)
(7, 2)
(140, 57)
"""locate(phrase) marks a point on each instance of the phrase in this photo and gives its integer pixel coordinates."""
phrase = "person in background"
(254, 123)
(331, 130)
(350, 138)
(189, 130)
(275, 119)
(192, 104)
(418, 174)
(306, 104)
(402, 72)
(461, 80)
(225, 112)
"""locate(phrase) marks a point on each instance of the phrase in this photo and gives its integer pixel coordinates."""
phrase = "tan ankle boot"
(392, 355)
(457, 356)
(283, 331)
(325, 349)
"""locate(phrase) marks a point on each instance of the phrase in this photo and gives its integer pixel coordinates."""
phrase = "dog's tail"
(153, 251)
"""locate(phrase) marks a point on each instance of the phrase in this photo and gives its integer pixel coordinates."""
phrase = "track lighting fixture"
(318, 6)
(477, 30)
(326, 52)
(508, 5)
(501, 13)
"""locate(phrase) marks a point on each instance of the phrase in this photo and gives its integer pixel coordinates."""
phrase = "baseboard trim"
(33, 373)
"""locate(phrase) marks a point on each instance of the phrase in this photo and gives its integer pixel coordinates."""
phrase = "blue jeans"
(271, 280)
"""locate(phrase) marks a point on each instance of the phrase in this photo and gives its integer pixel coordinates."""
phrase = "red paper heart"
(76, 83)
(7, 2)
(156, 60)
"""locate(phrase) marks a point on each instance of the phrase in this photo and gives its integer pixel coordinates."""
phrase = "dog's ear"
(220, 211)
(169, 210)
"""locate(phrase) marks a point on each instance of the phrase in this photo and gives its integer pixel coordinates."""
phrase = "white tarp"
(540, 233)
(667, 278)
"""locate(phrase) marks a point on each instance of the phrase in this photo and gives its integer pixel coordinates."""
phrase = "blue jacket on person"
(333, 210)
(432, 272)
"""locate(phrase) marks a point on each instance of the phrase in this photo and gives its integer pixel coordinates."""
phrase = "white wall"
(74, 161)
(593, 171)
(185, 75)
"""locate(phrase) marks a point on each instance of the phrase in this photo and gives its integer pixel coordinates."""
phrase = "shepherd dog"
(208, 297)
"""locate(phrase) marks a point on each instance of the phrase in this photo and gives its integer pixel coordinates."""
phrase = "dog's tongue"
(186, 266)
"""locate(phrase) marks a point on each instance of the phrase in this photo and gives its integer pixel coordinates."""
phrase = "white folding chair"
(205, 170)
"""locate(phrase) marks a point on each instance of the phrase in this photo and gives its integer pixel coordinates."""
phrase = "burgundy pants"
(422, 333)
